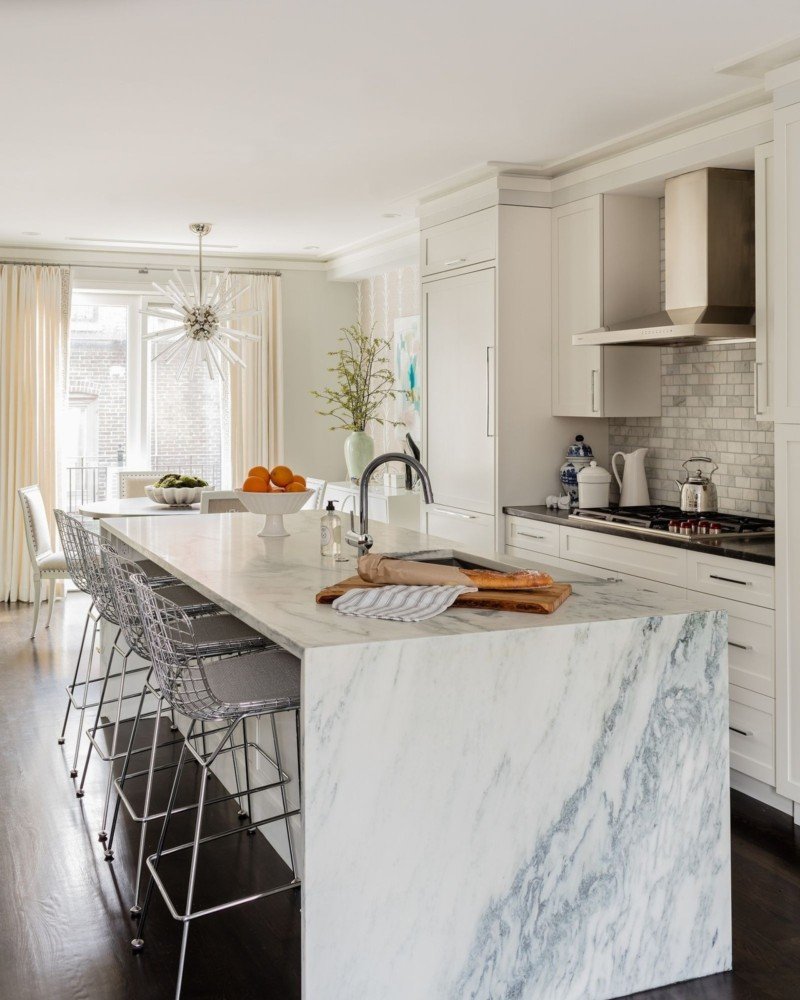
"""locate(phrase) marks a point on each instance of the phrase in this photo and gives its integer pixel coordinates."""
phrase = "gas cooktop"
(658, 520)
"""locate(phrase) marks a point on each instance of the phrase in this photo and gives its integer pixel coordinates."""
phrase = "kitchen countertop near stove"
(751, 550)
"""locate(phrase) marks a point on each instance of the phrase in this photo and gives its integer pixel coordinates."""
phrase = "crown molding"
(153, 260)
(758, 64)
(373, 256)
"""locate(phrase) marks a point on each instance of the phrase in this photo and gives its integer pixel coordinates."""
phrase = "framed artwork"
(408, 357)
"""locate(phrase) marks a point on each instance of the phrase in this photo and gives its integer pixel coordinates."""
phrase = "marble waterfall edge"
(540, 814)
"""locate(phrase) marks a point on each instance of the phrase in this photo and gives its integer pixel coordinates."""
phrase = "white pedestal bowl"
(273, 506)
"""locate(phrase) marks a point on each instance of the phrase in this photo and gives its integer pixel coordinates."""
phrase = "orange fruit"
(255, 484)
(259, 470)
(295, 487)
(281, 475)
(301, 480)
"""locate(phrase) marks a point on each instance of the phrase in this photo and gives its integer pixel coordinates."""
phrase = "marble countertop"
(759, 550)
(132, 507)
(271, 583)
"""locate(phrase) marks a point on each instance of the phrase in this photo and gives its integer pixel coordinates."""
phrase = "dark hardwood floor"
(64, 924)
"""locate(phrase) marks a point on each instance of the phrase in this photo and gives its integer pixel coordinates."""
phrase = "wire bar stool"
(230, 690)
(216, 635)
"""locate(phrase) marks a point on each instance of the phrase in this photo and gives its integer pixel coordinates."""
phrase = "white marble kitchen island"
(495, 805)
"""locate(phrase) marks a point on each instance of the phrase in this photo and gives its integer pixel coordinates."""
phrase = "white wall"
(314, 309)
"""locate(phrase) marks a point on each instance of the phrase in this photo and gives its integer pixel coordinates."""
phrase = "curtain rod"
(131, 267)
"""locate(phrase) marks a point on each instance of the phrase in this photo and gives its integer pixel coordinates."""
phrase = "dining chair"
(48, 563)
(132, 484)
(220, 502)
(316, 501)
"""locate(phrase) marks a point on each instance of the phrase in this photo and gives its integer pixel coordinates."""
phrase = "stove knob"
(714, 528)
(674, 527)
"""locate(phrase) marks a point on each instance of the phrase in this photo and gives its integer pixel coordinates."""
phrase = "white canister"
(593, 486)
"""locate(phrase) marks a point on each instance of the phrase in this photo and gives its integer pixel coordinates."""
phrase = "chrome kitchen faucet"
(362, 539)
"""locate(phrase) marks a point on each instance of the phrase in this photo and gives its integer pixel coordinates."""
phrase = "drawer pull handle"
(455, 260)
(741, 732)
(528, 534)
(729, 579)
(455, 513)
(740, 645)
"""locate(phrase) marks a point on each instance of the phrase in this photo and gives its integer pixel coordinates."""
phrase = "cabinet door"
(786, 218)
(577, 255)
(460, 243)
(787, 603)
(459, 317)
(765, 265)
(471, 533)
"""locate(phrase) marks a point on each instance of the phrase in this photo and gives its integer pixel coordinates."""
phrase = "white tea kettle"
(633, 484)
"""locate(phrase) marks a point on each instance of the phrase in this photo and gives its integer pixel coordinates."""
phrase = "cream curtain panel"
(34, 329)
(256, 393)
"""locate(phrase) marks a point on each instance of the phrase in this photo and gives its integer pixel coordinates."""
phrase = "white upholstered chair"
(131, 484)
(316, 502)
(220, 502)
(48, 564)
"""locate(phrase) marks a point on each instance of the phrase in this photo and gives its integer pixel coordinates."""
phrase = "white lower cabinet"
(744, 589)
(645, 559)
(752, 734)
(471, 531)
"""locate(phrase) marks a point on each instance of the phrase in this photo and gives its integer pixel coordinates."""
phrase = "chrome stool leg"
(125, 766)
(138, 942)
(71, 687)
(102, 835)
(74, 771)
(79, 793)
(289, 836)
(136, 909)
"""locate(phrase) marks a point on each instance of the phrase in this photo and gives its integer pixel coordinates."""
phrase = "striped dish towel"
(399, 602)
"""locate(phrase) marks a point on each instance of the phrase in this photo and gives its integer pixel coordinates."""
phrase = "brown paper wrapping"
(383, 569)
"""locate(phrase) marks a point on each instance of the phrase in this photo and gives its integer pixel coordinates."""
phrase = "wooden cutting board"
(534, 602)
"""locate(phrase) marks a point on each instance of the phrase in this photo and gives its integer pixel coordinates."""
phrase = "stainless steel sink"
(461, 560)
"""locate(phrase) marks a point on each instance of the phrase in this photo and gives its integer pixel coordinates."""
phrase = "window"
(128, 409)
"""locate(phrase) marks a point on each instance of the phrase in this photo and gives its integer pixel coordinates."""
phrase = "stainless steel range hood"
(709, 265)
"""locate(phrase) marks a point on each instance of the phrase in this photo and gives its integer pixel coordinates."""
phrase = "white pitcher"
(633, 484)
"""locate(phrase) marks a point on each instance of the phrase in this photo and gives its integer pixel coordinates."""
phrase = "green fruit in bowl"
(173, 479)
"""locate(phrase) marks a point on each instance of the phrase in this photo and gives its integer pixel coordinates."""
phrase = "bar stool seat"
(269, 676)
(154, 573)
(186, 597)
(225, 633)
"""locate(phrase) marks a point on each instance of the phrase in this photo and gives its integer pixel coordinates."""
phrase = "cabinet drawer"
(537, 536)
(752, 734)
(751, 645)
(750, 583)
(459, 243)
(471, 531)
(639, 559)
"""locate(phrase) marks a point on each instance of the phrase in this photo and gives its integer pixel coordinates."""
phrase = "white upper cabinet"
(786, 273)
(459, 327)
(765, 266)
(605, 268)
(460, 243)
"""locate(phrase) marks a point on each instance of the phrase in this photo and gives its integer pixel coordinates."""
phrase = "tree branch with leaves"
(364, 381)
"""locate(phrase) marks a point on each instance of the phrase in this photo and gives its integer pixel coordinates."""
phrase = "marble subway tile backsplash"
(707, 409)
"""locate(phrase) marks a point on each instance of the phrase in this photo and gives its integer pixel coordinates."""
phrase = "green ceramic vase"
(359, 450)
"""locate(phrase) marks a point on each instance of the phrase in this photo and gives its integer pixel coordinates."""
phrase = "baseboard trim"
(761, 791)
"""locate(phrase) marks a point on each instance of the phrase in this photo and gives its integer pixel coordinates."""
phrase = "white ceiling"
(289, 124)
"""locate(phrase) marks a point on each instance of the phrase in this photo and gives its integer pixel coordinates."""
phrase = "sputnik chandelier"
(202, 315)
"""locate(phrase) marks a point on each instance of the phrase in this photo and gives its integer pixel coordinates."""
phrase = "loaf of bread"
(523, 579)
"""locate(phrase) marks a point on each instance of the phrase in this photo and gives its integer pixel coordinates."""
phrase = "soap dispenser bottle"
(330, 532)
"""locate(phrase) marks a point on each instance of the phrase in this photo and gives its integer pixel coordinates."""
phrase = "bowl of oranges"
(273, 493)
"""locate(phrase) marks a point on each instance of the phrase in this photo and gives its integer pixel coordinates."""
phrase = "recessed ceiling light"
(391, 215)
(311, 246)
